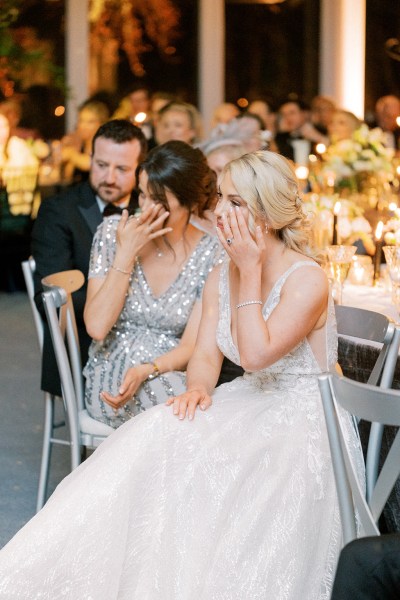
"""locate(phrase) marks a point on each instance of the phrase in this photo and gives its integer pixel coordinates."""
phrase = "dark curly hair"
(183, 170)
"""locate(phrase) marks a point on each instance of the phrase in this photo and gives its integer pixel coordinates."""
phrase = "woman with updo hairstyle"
(229, 491)
(145, 284)
(273, 197)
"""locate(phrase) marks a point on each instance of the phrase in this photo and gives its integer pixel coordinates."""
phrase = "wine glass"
(340, 262)
(392, 256)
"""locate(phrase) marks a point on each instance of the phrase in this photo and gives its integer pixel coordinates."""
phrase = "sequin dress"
(147, 327)
(239, 504)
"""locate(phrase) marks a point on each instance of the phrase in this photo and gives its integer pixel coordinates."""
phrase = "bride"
(236, 500)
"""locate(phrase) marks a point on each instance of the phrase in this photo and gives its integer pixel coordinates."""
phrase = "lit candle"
(140, 117)
(378, 250)
(336, 236)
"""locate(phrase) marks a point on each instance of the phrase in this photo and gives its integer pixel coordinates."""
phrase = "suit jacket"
(61, 240)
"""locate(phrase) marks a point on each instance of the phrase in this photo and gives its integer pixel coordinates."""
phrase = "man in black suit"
(297, 136)
(65, 225)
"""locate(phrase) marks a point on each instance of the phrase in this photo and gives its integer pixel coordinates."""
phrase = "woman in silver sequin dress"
(146, 279)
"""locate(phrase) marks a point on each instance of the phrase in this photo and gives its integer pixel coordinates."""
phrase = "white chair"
(84, 432)
(372, 326)
(373, 404)
(49, 425)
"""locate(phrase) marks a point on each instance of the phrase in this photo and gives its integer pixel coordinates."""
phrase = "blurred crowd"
(293, 128)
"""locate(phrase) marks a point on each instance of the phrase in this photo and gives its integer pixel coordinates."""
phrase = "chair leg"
(46, 449)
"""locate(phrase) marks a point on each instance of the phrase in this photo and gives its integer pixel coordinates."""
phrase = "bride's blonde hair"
(267, 182)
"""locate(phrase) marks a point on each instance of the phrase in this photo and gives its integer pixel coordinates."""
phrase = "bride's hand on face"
(186, 403)
(244, 249)
(134, 232)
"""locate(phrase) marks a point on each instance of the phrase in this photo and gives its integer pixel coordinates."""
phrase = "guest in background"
(136, 107)
(157, 101)
(145, 284)
(223, 113)
(322, 110)
(63, 231)
(387, 111)
(179, 121)
(77, 147)
(343, 124)
(295, 126)
(266, 112)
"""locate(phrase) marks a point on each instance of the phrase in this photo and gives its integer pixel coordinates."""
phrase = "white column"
(211, 58)
(342, 53)
(77, 56)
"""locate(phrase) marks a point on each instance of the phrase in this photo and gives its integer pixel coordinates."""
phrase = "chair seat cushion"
(91, 426)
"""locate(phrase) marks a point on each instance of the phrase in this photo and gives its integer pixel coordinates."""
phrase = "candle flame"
(320, 148)
(337, 207)
(140, 117)
(379, 231)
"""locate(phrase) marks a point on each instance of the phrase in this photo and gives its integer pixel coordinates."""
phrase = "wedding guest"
(230, 493)
(76, 148)
(322, 111)
(178, 121)
(223, 113)
(387, 111)
(266, 112)
(297, 136)
(157, 101)
(63, 231)
(343, 124)
(145, 283)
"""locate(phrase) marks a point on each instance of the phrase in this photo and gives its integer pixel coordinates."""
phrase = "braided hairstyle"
(266, 181)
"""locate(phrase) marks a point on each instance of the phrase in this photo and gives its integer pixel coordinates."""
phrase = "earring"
(266, 228)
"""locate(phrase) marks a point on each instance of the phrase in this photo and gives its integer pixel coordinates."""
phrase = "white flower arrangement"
(364, 152)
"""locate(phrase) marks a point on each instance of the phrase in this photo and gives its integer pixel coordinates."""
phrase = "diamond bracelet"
(248, 302)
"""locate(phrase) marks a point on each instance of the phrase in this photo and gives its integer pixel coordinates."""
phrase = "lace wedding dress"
(239, 504)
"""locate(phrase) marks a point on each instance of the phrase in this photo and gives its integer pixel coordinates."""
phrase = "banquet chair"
(84, 432)
(49, 425)
(359, 516)
(372, 326)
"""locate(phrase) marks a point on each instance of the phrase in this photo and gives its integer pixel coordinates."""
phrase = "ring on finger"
(229, 241)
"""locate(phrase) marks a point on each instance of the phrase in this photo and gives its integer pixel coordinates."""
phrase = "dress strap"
(282, 279)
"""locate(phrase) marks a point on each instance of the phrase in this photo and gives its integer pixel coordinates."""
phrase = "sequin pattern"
(148, 327)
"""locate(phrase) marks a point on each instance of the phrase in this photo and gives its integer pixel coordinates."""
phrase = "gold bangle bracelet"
(156, 371)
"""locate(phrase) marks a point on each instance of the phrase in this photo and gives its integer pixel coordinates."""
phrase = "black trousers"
(369, 569)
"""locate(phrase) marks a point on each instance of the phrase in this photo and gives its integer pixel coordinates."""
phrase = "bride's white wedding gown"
(238, 504)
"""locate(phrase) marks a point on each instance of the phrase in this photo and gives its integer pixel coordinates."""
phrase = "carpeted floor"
(21, 423)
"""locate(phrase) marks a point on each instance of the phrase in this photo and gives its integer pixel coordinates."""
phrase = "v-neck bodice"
(301, 360)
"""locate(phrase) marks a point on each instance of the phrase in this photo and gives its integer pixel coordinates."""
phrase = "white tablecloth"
(375, 298)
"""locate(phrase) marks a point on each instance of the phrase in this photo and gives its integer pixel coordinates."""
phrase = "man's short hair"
(121, 131)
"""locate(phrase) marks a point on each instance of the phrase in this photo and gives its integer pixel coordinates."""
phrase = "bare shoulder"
(308, 279)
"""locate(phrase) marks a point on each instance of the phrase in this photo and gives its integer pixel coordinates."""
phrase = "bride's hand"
(134, 377)
(186, 403)
(244, 249)
(134, 232)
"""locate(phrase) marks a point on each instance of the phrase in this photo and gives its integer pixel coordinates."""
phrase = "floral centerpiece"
(349, 163)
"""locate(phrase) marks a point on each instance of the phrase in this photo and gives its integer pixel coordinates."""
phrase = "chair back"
(63, 284)
(375, 327)
(28, 270)
(373, 404)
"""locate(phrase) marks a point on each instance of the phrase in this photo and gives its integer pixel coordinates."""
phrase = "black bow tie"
(112, 209)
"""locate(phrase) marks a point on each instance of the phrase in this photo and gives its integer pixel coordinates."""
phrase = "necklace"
(160, 253)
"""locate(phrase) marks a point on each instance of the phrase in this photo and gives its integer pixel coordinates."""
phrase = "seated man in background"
(294, 127)
(63, 232)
